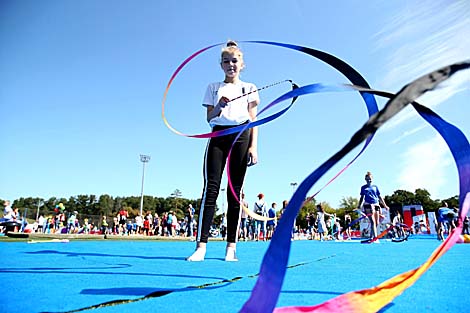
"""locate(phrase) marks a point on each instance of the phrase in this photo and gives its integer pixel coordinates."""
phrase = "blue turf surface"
(63, 277)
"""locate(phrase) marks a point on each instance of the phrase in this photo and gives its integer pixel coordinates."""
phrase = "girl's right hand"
(223, 102)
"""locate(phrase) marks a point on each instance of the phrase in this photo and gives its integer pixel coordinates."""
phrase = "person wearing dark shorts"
(370, 200)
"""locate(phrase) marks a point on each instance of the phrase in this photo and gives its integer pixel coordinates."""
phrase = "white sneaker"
(230, 255)
(197, 256)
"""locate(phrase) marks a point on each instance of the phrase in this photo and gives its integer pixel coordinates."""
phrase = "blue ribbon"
(268, 286)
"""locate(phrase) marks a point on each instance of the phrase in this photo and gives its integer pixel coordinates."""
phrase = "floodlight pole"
(223, 199)
(40, 203)
(293, 186)
(144, 159)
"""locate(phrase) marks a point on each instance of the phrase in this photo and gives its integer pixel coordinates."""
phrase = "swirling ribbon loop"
(268, 286)
(266, 291)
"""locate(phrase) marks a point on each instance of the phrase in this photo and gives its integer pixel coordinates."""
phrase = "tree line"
(92, 205)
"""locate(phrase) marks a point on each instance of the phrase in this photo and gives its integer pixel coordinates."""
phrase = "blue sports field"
(153, 276)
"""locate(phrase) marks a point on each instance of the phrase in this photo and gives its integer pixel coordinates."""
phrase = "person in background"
(271, 224)
(169, 224)
(157, 225)
(146, 225)
(223, 226)
(243, 232)
(284, 206)
(7, 211)
(86, 226)
(139, 223)
(104, 226)
(71, 222)
(445, 219)
(370, 200)
(123, 215)
(322, 228)
(337, 231)
(347, 225)
(260, 208)
(397, 222)
(190, 211)
(466, 222)
(40, 224)
(174, 225)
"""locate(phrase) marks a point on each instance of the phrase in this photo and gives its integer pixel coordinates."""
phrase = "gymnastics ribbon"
(220, 132)
(385, 232)
(266, 291)
(464, 239)
(375, 298)
(344, 68)
(405, 235)
(354, 77)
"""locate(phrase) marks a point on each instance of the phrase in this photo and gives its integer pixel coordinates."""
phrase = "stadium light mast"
(144, 159)
(40, 203)
(293, 186)
(223, 199)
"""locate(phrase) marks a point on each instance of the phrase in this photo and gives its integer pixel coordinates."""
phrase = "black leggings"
(214, 162)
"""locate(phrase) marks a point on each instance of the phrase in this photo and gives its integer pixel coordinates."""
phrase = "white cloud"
(425, 165)
(407, 133)
(458, 83)
(422, 37)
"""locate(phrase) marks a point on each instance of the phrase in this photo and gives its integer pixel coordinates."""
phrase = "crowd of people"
(167, 225)
(62, 222)
(257, 223)
(321, 225)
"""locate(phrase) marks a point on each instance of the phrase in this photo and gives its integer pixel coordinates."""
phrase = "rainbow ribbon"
(266, 291)
(385, 232)
(338, 64)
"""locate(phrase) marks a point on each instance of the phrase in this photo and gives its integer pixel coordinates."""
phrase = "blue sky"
(82, 82)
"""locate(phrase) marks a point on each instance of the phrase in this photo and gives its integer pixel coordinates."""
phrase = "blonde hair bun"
(231, 47)
(231, 43)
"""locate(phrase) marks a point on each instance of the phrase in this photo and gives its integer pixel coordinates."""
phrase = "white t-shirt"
(236, 112)
(138, 220)
(8, 213)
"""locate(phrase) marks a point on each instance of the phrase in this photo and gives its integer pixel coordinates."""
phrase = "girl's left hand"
(252, 156)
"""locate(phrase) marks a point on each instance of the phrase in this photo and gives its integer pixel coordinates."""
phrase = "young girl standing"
(322, 229)
(223, 113)
(371, 200)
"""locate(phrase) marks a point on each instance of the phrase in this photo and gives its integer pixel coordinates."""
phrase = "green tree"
(48, 208)
(106, 205)
(28, 206)
(400, 198)
(118, 204)
(133, 202)
(423, 197)
(176, 195)
(301, 220)
(349, 204)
